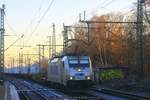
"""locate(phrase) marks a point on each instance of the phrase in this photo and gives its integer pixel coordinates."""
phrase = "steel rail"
(22, 92)
(121, 94)
(19, 85)
(34, 91)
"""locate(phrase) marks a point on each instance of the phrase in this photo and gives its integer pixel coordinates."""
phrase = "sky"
(26, 17)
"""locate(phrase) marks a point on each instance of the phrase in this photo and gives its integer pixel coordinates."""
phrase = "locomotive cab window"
(84, 62)
(79, 63)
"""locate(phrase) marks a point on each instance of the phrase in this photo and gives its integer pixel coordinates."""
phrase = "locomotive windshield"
(79, 62)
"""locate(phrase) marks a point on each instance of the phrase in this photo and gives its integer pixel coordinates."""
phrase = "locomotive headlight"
(71, 77)
(79, 69)
(88, 77)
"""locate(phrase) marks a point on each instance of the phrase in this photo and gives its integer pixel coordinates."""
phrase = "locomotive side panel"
(55, 71)
(52, 74)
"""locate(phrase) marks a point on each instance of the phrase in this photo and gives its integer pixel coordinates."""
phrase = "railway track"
(46, 93)
(32, 91)
(81, 95)
(105, 96)
(26, 92)
(116, 94)
(29, 91)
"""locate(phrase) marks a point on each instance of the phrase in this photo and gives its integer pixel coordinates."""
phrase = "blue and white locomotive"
(70, 70)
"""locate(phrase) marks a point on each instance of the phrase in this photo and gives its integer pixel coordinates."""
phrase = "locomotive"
(70, 70)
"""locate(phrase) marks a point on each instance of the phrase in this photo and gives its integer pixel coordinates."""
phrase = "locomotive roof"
(61, 56)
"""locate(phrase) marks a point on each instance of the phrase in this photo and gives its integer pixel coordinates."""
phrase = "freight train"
(64, 70)
(70, 70)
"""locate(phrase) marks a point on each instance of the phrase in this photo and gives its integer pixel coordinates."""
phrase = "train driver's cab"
(80, 68)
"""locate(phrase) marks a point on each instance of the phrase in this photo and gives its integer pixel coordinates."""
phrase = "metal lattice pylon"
(2, 31)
